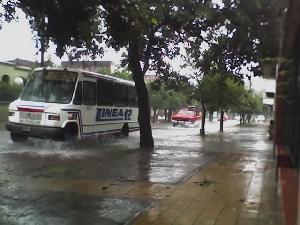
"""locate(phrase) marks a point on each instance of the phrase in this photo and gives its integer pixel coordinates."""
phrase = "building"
(150, 78)
(287, 112)
(24, 63)
(268, 97)
(12, 71)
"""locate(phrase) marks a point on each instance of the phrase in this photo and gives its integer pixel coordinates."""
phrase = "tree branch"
(148, 49)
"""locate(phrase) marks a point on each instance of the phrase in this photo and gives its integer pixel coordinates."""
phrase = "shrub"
(9, 93)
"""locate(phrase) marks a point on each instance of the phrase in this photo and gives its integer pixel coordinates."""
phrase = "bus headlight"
(72, 116)
(54, 117)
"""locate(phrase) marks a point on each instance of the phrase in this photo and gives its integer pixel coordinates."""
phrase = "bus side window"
(132, 99)
(121, 95)
(89, 93)
(78, 94)
(105, 92)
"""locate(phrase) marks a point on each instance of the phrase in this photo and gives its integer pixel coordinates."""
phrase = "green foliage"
(7, 11)
(123, 74)
(150, 29)
(249, 32)
(68, 23)
(163, 98)
(219, 92)
(179, 84)
(104, 70)
(223, 92)
(248, 103)
(9, 93)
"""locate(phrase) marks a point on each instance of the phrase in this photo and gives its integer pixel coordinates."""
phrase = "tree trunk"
(43, 44)
(202, 130)
(249, 118)
(221, 121)
(146, 138)
(42, 52)
(166, 114)
(154, 115)
(211, 116)
(241, 119)
(169, 115)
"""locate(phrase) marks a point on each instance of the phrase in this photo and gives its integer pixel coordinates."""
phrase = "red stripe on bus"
(30, 109)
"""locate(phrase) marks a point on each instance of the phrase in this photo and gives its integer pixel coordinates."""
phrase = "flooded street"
(112, 181)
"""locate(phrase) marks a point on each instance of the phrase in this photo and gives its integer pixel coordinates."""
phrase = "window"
(50, 86)
(132, 99)
(78, 94)
(89, 93)
(105, 92)
(120, 94)
(270, 94)
(5, 79)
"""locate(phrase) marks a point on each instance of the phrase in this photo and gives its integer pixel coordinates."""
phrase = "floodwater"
(49, 182)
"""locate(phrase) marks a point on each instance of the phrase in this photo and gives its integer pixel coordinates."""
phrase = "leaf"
(154, 21)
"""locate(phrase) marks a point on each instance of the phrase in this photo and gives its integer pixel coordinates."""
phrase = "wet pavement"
(112, 181)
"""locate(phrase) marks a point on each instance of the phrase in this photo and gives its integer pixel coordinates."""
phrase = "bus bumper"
(35, 131)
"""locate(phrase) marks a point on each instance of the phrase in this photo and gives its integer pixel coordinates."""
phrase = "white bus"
(61, 104)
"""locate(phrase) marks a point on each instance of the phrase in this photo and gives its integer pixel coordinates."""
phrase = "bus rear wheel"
(125, 130)
(17, 137)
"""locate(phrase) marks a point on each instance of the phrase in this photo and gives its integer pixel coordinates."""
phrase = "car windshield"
(186, 112)
(50, 86)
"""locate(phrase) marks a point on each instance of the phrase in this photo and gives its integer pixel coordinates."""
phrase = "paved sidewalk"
(236, 189)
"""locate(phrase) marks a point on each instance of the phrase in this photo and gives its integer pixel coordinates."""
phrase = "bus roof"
(89, 74)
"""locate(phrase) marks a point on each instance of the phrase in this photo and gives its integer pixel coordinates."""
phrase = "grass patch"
(3, 113)
(62, 169)
(205, 182)
(2, 125)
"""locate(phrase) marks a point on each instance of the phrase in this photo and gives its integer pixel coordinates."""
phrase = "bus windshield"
(53, 86)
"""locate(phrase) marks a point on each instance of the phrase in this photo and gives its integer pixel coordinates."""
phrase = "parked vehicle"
(260, 118)
(59, 104)
(186, 116)
(225, 118)
(237, 118)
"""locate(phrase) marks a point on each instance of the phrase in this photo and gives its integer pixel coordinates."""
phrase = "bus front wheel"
(70, 132)
(17, 137)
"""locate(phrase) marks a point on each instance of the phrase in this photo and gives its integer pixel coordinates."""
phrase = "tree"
(247, 37)
(248, 34)
(156, 98)
(150, 31)
(120, 73)
(123, 74)
(248, 103)
(167, 99)
(7, 11)
(220, 92)
(173, 101)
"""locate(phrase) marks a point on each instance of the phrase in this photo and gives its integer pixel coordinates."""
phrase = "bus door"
(89, 108)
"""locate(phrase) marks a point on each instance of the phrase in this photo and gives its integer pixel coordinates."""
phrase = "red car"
(225, 118)
(186, 116)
